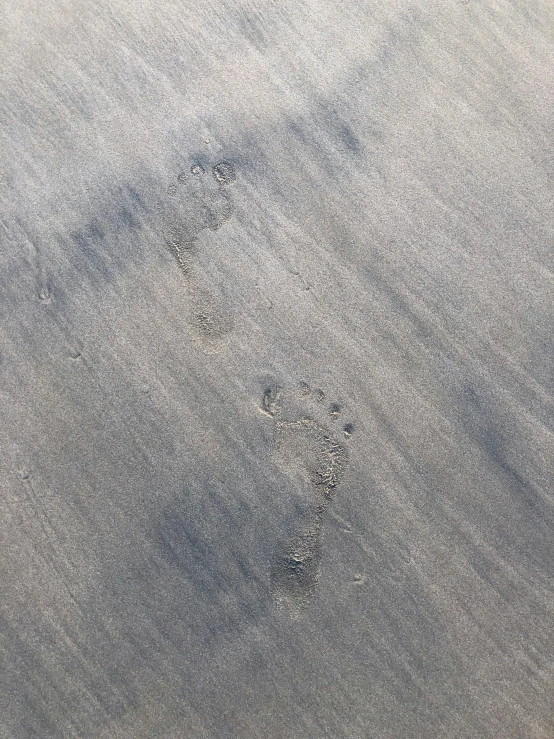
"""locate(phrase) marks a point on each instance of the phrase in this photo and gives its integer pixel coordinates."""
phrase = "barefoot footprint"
(317, 457)
(199, 203)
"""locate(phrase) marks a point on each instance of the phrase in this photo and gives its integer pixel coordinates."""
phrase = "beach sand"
(277, 369)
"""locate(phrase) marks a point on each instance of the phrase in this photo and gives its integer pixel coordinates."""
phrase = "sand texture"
(277, 369)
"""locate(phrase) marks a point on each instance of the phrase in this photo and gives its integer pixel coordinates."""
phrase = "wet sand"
(277, 370)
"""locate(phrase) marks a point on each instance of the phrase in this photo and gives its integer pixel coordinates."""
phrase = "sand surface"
(277, 369)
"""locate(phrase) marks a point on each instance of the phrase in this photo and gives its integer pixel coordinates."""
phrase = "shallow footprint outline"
(304, 444)
(193, 208)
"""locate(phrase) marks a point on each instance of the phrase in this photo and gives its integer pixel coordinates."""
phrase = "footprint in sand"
(315, 457)
(200, 202)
